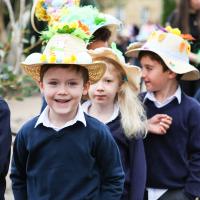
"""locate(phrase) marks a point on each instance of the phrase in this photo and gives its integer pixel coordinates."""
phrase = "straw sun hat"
(131, 73)
(64, 49)
(169, 44)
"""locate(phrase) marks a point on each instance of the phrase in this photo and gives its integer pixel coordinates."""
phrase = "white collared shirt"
(151, 96)
(154, 194)
(88, 103)
(44, 119)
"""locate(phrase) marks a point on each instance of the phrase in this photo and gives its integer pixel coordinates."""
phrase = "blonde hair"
(133, 116)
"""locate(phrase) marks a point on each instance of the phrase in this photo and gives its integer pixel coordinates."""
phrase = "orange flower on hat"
(182, 47)
(84, 27)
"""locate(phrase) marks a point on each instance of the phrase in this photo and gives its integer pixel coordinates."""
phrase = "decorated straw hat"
(67, 17)
(64, 49)
(132, 73)
(174, 50)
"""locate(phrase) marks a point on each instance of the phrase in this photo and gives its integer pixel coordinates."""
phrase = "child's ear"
(86, 88)
(41, 85)
(172, 75)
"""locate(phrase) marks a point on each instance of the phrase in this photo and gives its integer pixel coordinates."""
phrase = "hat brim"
(95, 70)
(176, 65)
(133, 73)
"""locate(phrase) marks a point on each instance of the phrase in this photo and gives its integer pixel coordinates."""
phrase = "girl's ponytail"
(133, 116)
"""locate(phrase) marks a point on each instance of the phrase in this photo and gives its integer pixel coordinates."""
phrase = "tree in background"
(88, 2)
(168, 7)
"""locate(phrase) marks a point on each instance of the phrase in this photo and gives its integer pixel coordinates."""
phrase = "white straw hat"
(131, 73)
(64, 49)
(173, 50)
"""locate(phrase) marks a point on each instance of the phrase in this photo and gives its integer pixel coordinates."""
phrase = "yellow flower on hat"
(70, 59)
(52, 58)
(73, 58)
(73, 25)
(43, 58)
(67, 60)
(188, 49)
(161, 37)
(152, 36)
(175, 31)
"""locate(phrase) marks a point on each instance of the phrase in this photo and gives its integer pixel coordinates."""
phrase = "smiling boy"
(63, 153)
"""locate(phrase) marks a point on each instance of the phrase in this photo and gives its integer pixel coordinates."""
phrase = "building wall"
(137, 12)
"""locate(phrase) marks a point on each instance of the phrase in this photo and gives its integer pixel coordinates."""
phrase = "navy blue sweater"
(133, 161)
(5, 144)
(173, 160)
(75, 163)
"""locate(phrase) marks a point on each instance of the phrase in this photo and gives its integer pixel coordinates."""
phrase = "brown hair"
(156, 57)
(102, 34)
(153, 56)
(77, 68)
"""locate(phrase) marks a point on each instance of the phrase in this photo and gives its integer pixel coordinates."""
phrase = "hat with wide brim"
(64, 49)
(172, 49)
(131, 73)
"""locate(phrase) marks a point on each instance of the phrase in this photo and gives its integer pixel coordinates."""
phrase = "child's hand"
(159, 124)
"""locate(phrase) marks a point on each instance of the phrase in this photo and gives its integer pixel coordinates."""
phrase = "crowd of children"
(97, 137)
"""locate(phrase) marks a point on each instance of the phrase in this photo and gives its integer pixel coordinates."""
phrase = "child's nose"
(100, 86)
(63, 89)
(143, 73)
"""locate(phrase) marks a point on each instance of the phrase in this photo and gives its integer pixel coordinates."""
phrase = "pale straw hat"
(173, 50)
(131, 73)
(64, 49)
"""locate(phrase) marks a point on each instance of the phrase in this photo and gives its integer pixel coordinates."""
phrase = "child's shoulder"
(94, 126)
(28, 125)
(94, 123)
(190, 102)
(3, 105)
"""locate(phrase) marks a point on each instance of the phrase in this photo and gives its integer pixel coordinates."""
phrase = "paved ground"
(21, 111)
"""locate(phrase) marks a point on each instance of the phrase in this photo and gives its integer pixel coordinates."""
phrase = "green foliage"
(15, 86)
(168, 7)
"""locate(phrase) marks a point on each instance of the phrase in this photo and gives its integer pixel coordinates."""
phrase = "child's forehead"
(66, 70)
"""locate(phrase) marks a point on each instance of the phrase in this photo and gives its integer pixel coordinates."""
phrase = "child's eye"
(52, 83)
(148, 68)
(72, 84)
(108, 80)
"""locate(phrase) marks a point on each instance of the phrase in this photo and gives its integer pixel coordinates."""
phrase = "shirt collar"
(151, 97)
(115, 114)
(44, 119)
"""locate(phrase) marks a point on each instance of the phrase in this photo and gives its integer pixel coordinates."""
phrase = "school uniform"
(132, 157)
(77, 161)
(173, 159)
(5, 144)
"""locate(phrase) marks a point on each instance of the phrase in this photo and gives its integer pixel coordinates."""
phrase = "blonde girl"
(114, 101)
